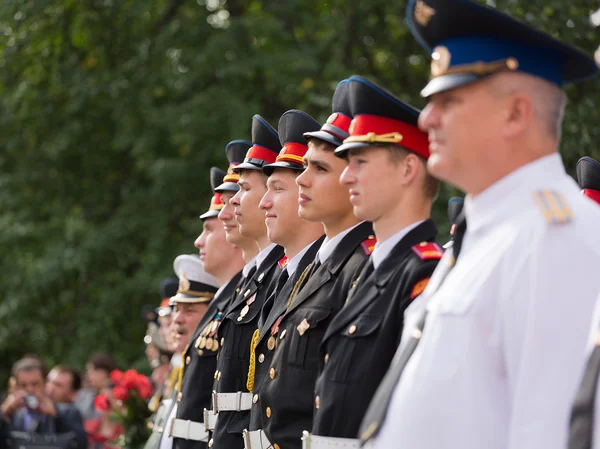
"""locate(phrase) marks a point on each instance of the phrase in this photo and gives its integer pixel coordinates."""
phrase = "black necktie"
(283, 277)
(377, 409)
(581, 431)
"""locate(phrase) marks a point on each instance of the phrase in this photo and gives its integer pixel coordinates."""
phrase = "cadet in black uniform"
(300, 238)
(224, 261)
(389, 185)
(286, 397)
(231, 398)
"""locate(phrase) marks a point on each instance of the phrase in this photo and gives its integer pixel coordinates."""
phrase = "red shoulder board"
(369, 245)
(428, 251)
(283, 262)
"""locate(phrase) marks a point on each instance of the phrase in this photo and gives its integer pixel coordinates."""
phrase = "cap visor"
(227, 187)
(446, 82)
(209, 214)
(323, 135)
(342, 150)
(269, 169)
(245, 166)
(164, 311)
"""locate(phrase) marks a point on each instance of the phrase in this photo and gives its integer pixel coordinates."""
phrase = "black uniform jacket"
(199, 363)
(235, 333)
(264, 355)
(362, 339)
(286, 397)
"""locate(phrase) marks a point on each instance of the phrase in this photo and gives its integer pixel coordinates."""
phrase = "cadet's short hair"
(431, 185)
(322, 145)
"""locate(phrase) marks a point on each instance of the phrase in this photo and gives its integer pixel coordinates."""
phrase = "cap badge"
(332, 117)
(440, 61)
(423, 13)
(184, 284)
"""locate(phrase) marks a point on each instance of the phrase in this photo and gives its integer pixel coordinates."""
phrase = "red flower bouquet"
(127, 404)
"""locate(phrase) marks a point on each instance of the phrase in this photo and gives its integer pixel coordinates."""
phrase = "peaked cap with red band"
(265, 146)
(380, 118)
(236, 152)
(337, 127)
(588, 177)
(216, 178)
(293, 125)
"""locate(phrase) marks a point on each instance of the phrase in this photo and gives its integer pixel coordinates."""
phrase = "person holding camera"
(29, 413)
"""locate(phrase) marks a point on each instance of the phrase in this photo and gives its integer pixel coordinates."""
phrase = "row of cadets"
(231, 399)
(492, 351)
(224, 261)
(194, 297)
(285, 401)
(301, 240)
(389, 186)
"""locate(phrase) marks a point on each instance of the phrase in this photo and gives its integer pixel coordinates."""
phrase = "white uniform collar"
(292, 263)
(383, 249)
(502, 198)
(329, 245)
(176, 361)
(261, 256)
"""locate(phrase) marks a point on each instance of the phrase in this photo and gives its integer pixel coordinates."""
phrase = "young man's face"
(245, 202)
(373, 182)
(186, 318)
(59, 387)
(227, 218)
(215, 251)
(280, 206)
(321, 196)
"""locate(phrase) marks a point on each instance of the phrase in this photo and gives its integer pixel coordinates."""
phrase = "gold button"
(272, 373)
(179, 396)
(326, 358)
(219, 376)
(268, 412)
(276, 446)
(261, 358)
(255, 399)
(222, 341)
(352, 329)
(317, 402)
(200, 352)
(188, 359)
(211, 442)
(282, 334)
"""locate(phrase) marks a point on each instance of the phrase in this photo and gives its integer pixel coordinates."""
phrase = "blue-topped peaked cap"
(468, 41)
(380, 118)
(588, 177)
(293, 125)
(216, 179)
(265, 146)
(236, 152)
(336, 129)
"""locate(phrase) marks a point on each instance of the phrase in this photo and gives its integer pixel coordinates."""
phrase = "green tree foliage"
(112, 111)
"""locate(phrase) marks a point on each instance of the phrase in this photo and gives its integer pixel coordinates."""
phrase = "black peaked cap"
(588, 173)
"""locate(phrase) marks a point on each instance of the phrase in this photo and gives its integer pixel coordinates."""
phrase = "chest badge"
(303, 327)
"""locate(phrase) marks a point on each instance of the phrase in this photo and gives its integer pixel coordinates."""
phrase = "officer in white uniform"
(498, 361)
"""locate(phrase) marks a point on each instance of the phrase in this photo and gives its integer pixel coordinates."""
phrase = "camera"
(31, 402)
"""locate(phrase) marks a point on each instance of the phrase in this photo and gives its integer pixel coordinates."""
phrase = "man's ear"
(410, 167)
(519, 114)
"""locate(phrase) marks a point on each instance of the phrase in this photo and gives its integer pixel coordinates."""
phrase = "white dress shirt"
(329, 245)
(262, 255)
(503, 347)
(293, 263)
(383, 249)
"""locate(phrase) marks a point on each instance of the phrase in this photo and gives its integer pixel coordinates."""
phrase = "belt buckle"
(305, 439)
(238, 402)
(206, 413)
(171, 427)
(246, 437)
(215, 401)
